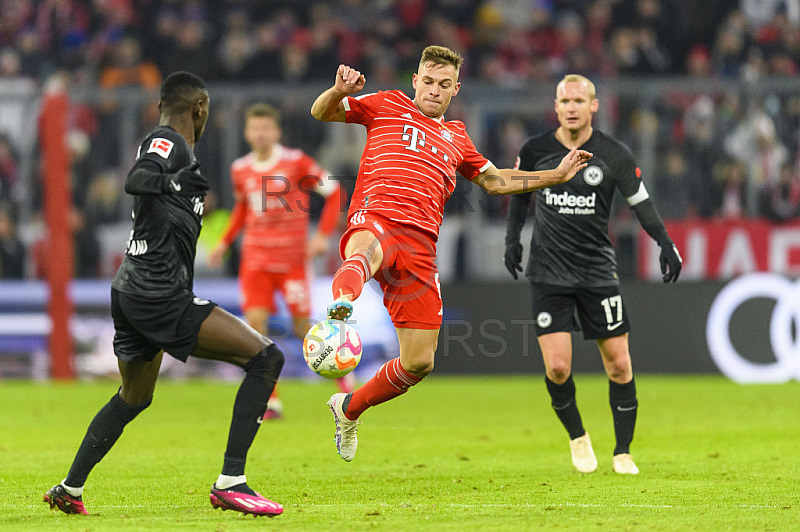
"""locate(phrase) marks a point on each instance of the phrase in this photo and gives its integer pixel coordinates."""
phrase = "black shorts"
(145, 326)
(600, 310)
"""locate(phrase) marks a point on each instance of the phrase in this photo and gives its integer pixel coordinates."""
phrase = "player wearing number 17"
(407, 173)
(572, 264)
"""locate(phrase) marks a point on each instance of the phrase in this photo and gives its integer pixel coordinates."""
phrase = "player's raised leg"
(557, 353)
(136, 393)
(622, 396)
(394, 378)
(363, 257)
(224, 337)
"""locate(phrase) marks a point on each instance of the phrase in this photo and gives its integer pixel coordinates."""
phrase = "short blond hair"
(263, 110)
(439, 55)
(579, 79)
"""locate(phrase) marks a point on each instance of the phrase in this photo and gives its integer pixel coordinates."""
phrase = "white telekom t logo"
(415, 138)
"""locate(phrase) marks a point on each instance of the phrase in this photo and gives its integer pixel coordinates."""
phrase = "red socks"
(351, 277)
(390, 381)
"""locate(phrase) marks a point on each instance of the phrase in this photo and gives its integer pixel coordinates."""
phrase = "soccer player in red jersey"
(407, 173)
(271, 185)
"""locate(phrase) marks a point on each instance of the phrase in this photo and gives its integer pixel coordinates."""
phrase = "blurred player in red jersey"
(271, 185)
(407, 173)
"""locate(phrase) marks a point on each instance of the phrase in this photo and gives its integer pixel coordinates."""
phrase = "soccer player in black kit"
(572, 264)
(154, 309)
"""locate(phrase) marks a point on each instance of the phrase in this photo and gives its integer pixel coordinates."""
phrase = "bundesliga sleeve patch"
(162, 147)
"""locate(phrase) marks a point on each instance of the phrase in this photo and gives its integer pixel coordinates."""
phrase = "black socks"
(623, 406)
(104, 430)
(251, 403)
(563, 401)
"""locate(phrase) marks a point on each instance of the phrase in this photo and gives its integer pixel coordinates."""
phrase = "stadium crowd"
(720, 154)
(509, 41)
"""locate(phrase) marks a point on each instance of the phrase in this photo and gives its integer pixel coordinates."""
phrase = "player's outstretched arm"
(145, 178)
(328, 106)
(509, 181)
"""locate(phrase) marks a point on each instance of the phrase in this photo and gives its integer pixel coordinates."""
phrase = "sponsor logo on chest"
(571, 203)
(416, 140)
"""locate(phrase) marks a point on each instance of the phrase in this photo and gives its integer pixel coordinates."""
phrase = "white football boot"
(582, 454)
(623, 464)
(346, 429)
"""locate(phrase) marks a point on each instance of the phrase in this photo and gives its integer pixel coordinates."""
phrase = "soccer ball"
(332, 349)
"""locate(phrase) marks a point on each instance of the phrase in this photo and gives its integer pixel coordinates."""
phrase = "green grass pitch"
(452, 454)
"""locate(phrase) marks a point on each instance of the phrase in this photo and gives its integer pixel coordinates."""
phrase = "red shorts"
(408, 275)
(259, 287)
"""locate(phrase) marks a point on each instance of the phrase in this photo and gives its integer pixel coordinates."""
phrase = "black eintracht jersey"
(159, 259)
(570, 245)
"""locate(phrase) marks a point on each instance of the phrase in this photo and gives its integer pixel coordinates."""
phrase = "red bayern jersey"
(272, 205)
(408, 168)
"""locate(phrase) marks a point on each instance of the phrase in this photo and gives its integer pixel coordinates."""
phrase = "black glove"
(513, 259)
(671, 262)
(187, 181)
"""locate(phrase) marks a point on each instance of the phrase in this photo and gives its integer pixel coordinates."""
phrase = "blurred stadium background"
(704, 93)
